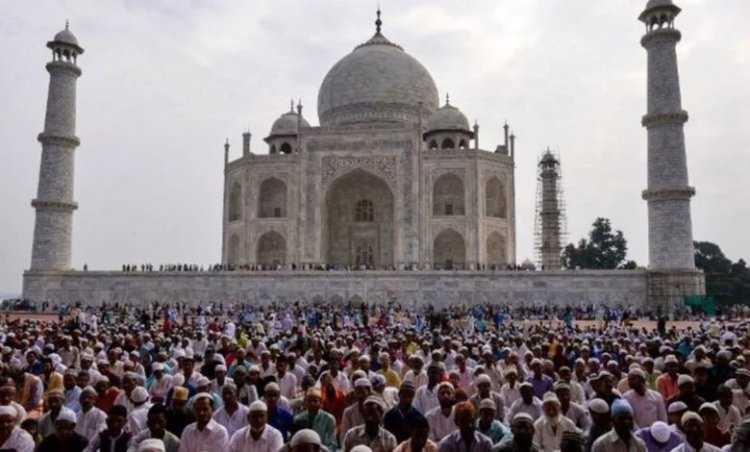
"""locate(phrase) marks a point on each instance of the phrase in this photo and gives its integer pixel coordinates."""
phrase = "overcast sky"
(166, 81)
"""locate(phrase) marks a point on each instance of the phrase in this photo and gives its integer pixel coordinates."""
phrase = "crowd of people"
(527, 266)
(294, 377)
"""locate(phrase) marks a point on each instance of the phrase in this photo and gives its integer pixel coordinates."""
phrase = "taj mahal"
(389, 180)
(390, 198)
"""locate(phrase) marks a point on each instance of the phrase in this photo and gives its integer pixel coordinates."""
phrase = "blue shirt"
(400, 423)
(281, 420)
(71, 399)
(497, 432)
(540, 385)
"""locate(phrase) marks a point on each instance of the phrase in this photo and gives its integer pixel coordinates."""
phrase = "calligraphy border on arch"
(382, 166)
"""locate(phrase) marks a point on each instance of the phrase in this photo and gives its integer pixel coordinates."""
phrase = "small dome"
(448, 117)
(656, 3)
(66, 37)
(548, 157)
(287, 124)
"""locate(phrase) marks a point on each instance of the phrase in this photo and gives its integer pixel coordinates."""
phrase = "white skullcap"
(139, 395)
(708, 406)
(684, 379)
(598, 406)
(220, 368)
(362, 383)
(676, 407)
(670, 359)
(151, 445)
(8, 410)
(156, 366)
(445, 384)
(635, 372)
(66, 414)
(483, 378)
(523, 417)
(258, 405)
(178, 380)
(360, 448)
(305, 436)
(691, 416)
(551, 397)
(487, 404)
(660, 431)
(204, 395)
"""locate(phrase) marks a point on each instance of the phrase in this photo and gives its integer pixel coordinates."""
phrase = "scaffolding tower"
(550, 226)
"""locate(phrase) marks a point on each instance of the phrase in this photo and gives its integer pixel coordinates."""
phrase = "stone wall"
(617, 287)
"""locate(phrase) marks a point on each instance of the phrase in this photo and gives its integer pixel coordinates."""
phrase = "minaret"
(670, 235)
(54, 203)
(549, 213)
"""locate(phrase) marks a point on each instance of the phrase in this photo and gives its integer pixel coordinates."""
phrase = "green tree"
(725, 281)
(605, 249)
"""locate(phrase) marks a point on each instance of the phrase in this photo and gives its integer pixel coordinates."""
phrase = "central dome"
(377, 82)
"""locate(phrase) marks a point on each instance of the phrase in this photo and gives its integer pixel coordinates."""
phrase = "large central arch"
(449, 251)
(359, 221)
(271, 250)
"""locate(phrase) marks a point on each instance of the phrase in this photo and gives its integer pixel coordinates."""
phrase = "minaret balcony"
(59, 140)
(54, 204)
(658, 35)
(653, 119)
(664, 194)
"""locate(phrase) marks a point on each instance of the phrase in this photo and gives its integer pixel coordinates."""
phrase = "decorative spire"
(299, 107)
(378, 22)
(67, 23)
(447, 99)
(291, 105)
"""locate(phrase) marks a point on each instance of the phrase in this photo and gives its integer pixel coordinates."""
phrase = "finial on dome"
(378, 22)
(67, 23)
(447, 99)
(299, 107)
(291, 105)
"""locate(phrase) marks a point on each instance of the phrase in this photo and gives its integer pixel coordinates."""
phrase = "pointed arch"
(271, 250)
(235, 202)
(285, 148)
(448, 144)
(495, 197)
(358, 221)
(272, 198)
(496, 251)
(433, 145)
(448, 195)
(449, 251)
